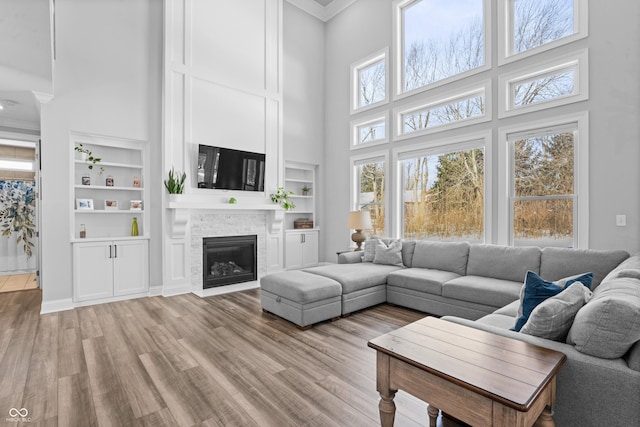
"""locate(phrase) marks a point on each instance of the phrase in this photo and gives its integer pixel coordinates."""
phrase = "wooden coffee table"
(477, 377)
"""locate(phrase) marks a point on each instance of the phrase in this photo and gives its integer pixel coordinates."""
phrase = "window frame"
(372, 157)
(356, 67)
(578, 62)
(398, 44)
(580, 123)
(366, 120)
(424, 147)
(505, 36)
(451, 96)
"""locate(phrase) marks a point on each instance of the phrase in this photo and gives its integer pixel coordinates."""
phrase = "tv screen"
(228, 169)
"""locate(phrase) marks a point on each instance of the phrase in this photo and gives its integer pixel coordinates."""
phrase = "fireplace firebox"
(228, 260)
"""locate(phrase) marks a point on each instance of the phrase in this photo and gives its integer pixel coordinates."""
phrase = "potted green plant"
(175, 183)
(281, 197)
(305, 190)
(87, 156)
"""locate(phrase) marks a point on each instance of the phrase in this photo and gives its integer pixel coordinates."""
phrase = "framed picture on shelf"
(110, 205)
(84, 204)
(135, 205)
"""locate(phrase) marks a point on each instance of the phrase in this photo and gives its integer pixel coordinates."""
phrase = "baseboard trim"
(56, 305)
(171, 290)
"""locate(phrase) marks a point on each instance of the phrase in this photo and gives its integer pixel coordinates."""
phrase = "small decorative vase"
(134, 227)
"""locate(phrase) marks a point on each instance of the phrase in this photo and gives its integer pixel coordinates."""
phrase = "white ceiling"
(323, 3)
(25, 60)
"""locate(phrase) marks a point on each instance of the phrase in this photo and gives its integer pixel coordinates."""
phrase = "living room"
(155, 72)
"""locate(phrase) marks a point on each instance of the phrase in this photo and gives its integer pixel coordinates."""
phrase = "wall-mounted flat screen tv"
(227, 169)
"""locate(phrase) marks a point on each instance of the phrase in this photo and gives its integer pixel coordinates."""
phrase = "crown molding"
(321, 12)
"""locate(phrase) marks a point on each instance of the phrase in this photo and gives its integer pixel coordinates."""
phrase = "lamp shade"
(359, 220)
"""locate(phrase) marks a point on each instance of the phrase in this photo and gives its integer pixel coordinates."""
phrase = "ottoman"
(301, 298)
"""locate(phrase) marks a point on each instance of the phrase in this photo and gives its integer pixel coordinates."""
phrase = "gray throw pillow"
(609, 324)
(389, 255)
(553, 318)
(369, 252)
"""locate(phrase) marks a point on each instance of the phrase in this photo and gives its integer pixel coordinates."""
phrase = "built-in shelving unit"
(109, 263)
(296, 177)
(301, 244)
(122, 162)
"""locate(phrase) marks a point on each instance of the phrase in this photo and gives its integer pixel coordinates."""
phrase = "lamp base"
(358, 238)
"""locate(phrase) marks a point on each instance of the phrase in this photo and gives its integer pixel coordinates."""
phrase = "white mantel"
(180, 212)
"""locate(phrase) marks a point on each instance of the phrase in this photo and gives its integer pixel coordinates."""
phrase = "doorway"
(18, 215)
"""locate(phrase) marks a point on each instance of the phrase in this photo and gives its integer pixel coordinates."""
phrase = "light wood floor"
(185, 360)
(18, 282)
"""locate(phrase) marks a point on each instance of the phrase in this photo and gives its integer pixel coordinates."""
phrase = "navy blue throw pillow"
(536, 290)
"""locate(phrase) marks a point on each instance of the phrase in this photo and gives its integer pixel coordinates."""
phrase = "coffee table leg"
(387, 409)
(433, 415)
(545, 419)
(383, 379)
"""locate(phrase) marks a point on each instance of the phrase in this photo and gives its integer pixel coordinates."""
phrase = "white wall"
(107, 81)
(303, 95)
(614, 105)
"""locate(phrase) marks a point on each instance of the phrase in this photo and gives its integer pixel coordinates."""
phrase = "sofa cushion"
(482, 290)
(408, 247)
(535, 290)
(631, 263)
(553, 317)
(354, 277)
(510, 309)
(369, 251)
(609, 324)
(502, 262)
(501, 321)
(389, 255)
(448, 256)
(633, 357)
(562, 262)
(301, 287)
(421, 279)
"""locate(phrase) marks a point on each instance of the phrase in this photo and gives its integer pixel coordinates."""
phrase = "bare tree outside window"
(543, 190)
(371, 193)
(441, 40)
(443, 196)
(537, 22)
(371, 84)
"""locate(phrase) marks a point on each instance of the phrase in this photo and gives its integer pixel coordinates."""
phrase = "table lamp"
(359, 220)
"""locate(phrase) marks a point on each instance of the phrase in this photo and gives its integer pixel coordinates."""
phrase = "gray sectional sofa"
(480, 285)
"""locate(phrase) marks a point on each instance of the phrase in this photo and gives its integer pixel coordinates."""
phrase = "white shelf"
(104, 187)
(299, 181)
(109, 164)
(108, 239)
(103, 212)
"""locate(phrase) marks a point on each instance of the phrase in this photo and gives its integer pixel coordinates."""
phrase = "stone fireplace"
(229, 259)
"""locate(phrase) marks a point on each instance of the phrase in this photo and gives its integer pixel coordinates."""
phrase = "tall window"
(439, 40)
(543, 197)
(370, 191)
(443, 195)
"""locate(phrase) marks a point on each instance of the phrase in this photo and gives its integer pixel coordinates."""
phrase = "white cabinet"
(301, 249)
(103, 269)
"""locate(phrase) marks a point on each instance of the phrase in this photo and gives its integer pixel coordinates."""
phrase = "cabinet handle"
(115, 247)
(110, 253)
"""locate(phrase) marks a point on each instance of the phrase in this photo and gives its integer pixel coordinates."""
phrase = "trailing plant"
(90, 157)
(175, 183)
(17, 214)
(281, 197)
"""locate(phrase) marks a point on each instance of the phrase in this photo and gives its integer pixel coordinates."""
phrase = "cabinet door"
(310, 249)
(293, 250)
(131, 267)
(92, 271)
